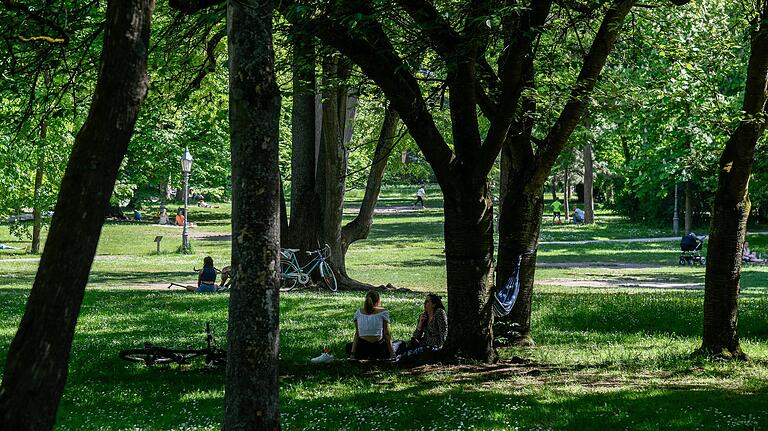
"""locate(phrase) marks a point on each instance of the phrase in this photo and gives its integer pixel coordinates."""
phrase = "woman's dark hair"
(208, 262)
(371, 299)
(437, 300)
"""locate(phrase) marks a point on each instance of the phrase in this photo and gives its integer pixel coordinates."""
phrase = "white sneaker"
(323, 358)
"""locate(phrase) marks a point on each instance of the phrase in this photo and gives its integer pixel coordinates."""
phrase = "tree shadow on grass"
(342, 397)
(438, 261)
(670, 313)
(388, 234)
(126, 279)
(104, 392)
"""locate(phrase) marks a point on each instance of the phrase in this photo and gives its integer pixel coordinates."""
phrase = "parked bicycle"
(158, 355)
(292, 273)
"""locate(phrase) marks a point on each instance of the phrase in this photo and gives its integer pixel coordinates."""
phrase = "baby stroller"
(690, 246)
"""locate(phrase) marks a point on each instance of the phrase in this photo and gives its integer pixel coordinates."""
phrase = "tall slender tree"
(36, 367)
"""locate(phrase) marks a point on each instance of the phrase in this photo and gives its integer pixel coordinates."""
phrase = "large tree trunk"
(283, 217)
(252, 391)
(360, 226)
(589, 198)
(520, 219)
(36, 368)
(334, 156)
(251, 387)
(37, 215)
(731, 209)
(305, 202)
(519, 226)
(468, 232)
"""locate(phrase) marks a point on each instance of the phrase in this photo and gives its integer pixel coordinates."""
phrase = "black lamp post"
(186, 167)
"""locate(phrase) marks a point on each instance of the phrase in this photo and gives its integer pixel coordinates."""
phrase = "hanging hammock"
(505, 298)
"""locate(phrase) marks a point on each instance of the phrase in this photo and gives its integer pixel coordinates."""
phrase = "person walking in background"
(556, 208)
(420, 196)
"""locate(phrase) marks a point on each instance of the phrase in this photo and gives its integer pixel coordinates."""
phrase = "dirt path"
(658, 239)
(617, 265)
(618, 283)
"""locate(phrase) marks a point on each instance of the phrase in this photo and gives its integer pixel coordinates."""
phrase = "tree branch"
(515, 63)
(445, 40)
(610, 28)
(188, 7)
(24, 9)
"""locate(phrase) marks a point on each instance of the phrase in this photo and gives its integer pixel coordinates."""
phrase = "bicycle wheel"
(288, 275)
(328, 277)
(216, 358)
(149, 356)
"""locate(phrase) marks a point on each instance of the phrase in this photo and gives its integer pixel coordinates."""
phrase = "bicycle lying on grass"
(292, 273)
(158, 355)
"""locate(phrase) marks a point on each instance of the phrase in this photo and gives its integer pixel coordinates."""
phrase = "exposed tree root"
(722, 354)
(347, 283)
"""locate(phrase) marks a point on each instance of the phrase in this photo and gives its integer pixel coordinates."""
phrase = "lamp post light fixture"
(186, 167)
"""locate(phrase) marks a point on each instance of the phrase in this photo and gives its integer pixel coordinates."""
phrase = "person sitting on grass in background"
(137, 214)
(163, 217)
(556, 208)
(206, 279)
(748, 255)
(372, 338)
(578, 216)
(180, 217)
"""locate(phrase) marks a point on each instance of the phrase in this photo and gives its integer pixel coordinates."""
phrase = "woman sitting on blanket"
(206, 279)
(432, 328)
(372, 339)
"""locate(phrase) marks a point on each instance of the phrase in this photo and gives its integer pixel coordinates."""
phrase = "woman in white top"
(372, 339)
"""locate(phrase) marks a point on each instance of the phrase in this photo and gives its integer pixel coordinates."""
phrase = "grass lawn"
(609, 355)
